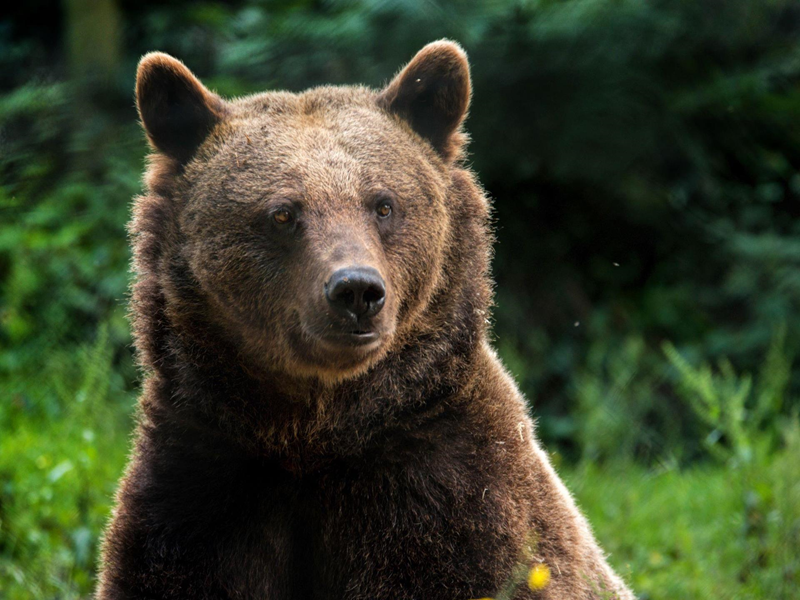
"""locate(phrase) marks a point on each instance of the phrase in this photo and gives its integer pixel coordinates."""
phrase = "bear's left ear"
(177, 111)
(432, 94)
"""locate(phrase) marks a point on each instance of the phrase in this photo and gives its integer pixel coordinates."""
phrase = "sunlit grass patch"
(689, 533)
(63, 442)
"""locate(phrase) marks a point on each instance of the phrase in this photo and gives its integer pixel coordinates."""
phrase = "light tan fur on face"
(283, 150)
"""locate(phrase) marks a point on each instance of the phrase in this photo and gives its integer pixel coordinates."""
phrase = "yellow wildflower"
(538, 577)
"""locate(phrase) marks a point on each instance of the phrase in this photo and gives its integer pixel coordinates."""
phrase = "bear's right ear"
(177, 111)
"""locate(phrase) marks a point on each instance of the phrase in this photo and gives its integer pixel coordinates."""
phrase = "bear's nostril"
(373, 294)
(348, 297)
(356, 291)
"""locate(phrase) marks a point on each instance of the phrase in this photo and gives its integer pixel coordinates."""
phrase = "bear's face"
(316, 229)
(314, 225)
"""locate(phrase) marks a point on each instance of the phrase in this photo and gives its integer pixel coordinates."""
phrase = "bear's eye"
(282, 216)
(384, 209)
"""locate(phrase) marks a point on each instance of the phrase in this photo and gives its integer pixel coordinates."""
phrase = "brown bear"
(323, 416)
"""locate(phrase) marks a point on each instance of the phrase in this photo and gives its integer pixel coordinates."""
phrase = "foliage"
(63, 249)
(744, 421)
(619, 411)
(62, 450)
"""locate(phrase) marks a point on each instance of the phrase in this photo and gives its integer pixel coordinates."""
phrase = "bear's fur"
(274, 460)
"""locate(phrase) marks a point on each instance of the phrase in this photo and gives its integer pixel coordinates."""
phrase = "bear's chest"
(375, 532)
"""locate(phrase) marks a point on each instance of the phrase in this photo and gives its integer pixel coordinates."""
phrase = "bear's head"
(315, 232)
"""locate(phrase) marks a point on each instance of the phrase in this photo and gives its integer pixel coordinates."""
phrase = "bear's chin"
(333, 360)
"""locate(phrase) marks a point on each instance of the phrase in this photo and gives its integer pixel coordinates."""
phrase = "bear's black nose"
(356, 292)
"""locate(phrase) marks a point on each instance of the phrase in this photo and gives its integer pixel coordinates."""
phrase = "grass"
(704, 532)
(715, 530)
(63, 445)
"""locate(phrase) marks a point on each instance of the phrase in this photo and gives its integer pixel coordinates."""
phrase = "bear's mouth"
(360, 336)
(356, 337)
(354, 342)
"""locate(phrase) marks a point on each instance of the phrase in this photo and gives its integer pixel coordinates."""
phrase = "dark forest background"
(643, 157)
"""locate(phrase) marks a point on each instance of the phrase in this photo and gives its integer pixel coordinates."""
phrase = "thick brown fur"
(270, 463)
